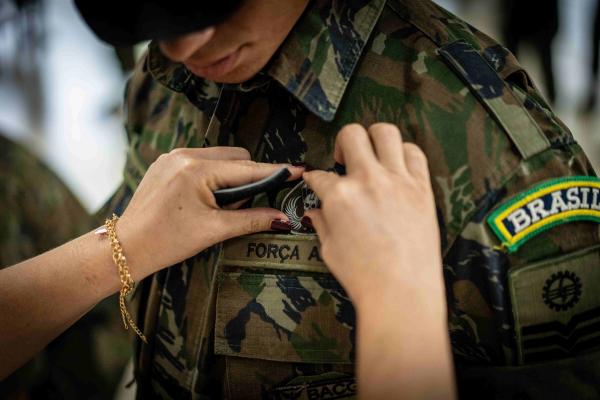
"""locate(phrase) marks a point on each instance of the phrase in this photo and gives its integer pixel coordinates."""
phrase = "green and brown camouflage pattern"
(310, 315)
(218, 330)
(37, 211)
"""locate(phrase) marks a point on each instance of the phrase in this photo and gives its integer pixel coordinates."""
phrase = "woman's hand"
(173, 214)
(379, 236)
(377, 225)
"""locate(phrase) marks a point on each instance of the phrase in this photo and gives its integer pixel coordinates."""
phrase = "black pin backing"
(234, 194)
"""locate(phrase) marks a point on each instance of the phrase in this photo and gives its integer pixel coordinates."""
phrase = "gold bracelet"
(126, 281)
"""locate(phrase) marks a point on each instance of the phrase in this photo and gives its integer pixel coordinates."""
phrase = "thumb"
(247, 221)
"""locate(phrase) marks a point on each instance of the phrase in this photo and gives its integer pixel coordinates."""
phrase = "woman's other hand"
(379, 237)
(377, 224)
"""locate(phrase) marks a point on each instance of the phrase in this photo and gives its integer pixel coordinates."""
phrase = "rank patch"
(556, 306)
(551, 203)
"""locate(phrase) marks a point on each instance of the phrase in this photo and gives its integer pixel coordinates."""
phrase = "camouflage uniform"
(259, 317)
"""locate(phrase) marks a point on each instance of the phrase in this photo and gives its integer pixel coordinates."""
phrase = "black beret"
(126, 22)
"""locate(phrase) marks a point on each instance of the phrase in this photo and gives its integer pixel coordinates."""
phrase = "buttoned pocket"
(283, 325)
(283, 316)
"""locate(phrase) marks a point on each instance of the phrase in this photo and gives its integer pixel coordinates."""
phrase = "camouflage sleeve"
(155, 124)
(38, 211)
(155, 119)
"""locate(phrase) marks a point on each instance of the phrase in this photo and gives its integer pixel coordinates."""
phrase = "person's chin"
(238, 75)
(233, 69)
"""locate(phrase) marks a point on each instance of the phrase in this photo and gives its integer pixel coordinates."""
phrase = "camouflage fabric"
(34, 221)
(248, 329)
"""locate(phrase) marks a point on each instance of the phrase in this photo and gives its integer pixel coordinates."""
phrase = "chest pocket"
(284, 325)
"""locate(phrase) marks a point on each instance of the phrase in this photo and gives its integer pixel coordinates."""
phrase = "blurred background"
(62, 144)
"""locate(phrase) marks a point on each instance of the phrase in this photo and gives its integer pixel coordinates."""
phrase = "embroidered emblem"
(330, 385)
(294, 211)
(551, 203)
(310, 199)
(296, 202)
(562, 290)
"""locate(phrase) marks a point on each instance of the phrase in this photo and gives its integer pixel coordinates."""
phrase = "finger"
(226, 174)
(317, 220)
(321, 182)
(387, 143)
(295, 171)
(214, 153)
(353, 149)
(247, 221)
(416, 162)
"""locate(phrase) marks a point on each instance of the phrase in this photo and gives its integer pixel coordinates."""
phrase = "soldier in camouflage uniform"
(260, 317)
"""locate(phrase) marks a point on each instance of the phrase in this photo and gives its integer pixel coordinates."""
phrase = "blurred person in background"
(260, 316)
(534, 22)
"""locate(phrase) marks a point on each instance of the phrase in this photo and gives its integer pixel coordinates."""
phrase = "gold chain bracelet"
(127, 281)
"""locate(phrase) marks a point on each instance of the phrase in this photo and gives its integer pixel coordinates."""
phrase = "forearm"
(41, 297)
(403, 348)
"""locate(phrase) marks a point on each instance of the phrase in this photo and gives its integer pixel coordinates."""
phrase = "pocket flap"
(292, 316)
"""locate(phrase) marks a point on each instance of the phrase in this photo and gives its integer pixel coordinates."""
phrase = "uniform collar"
(317, 59)
(314, 63)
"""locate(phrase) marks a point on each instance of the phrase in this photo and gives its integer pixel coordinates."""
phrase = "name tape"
(285, 252)
(546, 205)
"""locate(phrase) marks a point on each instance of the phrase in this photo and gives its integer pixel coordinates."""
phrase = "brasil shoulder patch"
(554, 202)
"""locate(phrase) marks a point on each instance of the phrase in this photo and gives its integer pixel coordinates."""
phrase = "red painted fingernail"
(307, 222)
(280, 225)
